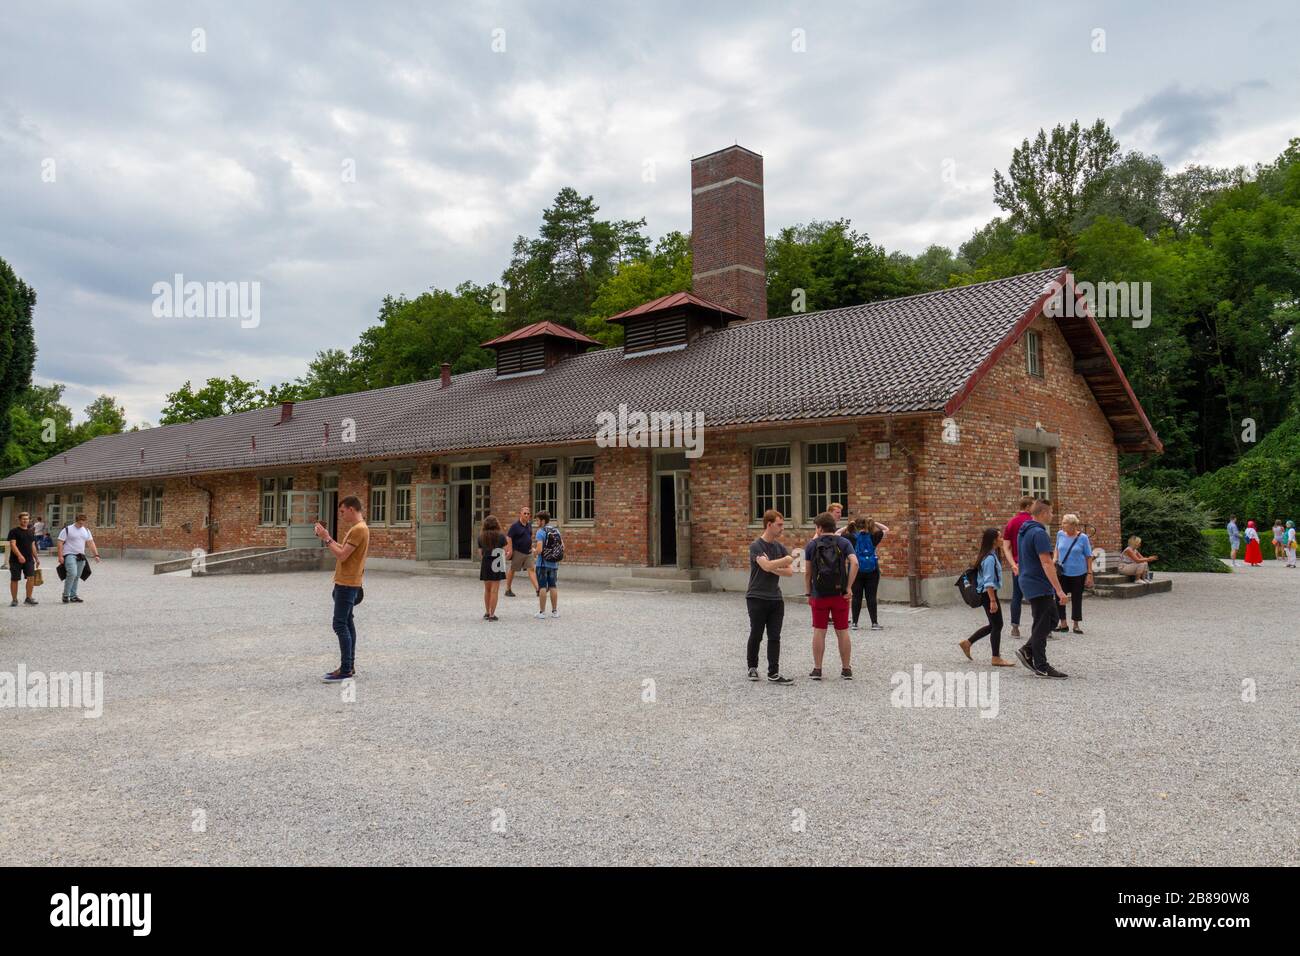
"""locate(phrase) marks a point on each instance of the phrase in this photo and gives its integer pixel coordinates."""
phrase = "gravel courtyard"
(530, 741)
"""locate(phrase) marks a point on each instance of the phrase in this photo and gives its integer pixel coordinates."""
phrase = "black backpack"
(553, 546)
(966, 585)
(830, 568)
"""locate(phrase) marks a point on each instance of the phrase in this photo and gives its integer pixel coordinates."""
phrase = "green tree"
(17, 342)
(219, 396)
(1050, 181)
(663, 272)
(415, 336)
(104, 416)
(832, 266)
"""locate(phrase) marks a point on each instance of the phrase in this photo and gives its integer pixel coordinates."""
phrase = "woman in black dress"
(495, 548)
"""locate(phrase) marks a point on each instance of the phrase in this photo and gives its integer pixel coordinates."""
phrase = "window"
(151, 504)
(275, 500)
(53, 513)
(402, 496)
(106, 508)
(1033, 473)
(379, 486)
(76, 505)
(1034, 353)
(826, 476)
(546, 486)
(771, 480)
(582, 489)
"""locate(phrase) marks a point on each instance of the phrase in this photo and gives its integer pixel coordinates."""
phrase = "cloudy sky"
(224, 154)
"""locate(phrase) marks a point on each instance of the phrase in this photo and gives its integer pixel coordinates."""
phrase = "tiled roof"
(899, 356)
(673, 300)
(540, 329)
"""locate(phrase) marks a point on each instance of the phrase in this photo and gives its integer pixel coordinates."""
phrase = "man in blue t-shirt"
(1040, 586)
(521, 546)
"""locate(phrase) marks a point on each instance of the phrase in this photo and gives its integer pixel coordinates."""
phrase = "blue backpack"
(865, 549)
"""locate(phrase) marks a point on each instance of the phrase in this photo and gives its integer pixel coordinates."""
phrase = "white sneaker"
(541, 615)
(555, 614)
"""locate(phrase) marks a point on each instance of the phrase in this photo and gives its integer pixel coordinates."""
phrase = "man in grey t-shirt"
(769, 561)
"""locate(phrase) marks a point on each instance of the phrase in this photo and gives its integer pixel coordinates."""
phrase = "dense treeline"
(1215, 366)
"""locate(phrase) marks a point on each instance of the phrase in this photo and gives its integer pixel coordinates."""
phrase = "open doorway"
(464, 521)
(667, 520)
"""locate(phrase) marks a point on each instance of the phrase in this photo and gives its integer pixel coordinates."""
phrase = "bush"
(1219, 547)
(1169, 524)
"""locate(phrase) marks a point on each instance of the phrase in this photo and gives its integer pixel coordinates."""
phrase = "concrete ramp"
(180, 564)
(277, 561)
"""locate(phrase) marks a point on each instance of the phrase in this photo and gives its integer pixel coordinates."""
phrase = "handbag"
(37, 578)
(1060, 571)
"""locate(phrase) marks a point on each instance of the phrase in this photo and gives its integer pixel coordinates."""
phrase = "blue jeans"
(545, 578)
(344, 626)
(72, 564)
(1016, 600)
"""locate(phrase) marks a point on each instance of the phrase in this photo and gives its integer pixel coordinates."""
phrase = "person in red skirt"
(1254, 556)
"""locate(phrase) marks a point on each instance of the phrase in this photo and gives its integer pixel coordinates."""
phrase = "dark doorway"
(667, 521)
(464, 521)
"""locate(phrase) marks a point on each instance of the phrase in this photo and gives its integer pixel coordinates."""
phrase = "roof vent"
(670, 322)
(535, 348)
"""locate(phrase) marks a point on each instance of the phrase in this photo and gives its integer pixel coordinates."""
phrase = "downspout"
(208, 492)
(913, 518)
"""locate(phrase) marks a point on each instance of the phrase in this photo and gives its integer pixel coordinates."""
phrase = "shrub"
(1169, 524)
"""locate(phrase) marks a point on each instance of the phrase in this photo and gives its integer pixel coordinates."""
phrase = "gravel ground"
(530, 742)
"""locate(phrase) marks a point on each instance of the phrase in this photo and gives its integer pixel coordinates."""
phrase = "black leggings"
(764, 614)
(993, 629)
(867, 582)
(1072, 584)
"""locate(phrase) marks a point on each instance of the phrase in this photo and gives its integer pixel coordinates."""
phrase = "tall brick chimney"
(727, 239)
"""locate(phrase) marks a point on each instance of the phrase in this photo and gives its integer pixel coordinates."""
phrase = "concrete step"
(679, 585)
(679, 574)
(1134, 588)
(450, 569)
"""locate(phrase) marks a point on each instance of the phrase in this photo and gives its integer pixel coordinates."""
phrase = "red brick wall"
(727, 230)
(976, 483)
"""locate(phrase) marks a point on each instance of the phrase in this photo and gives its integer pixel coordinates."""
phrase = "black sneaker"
(1022, 655)
(65, 599)
(493, 618)
(1051, 671)
(30, 601)
(336, 676)
(876, 627)
(778, 679)
(846, 673)
(13, 603)
(753, 673)
(816, 673)
(76, 600)
(510, 594)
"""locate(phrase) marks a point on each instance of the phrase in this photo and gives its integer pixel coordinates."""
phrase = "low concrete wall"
(935, 591)
(272, 562)
(180, 564)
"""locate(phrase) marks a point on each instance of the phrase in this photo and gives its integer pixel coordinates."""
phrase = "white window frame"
(402, 496)
(1035, 481)
(379, 497)
(834, 472)
(583, 485)
(776, 471)
(151, 506)
(106, 508)
(549, 501)
(276, 498)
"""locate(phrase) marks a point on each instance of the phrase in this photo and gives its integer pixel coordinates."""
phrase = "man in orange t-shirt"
(348, 573)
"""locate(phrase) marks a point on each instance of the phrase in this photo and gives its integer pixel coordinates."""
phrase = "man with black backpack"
(549, 548)
(830, 567)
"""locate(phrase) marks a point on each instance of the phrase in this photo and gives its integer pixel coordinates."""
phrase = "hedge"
(1218, 538)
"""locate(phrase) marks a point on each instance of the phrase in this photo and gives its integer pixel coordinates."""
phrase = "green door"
(432, 529)
(304, 512)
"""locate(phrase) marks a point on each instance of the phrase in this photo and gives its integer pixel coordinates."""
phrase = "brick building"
(933, 413)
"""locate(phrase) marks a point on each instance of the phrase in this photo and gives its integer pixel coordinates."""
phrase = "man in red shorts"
(829, 569)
